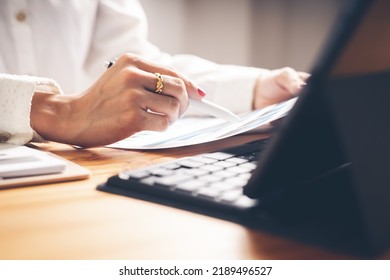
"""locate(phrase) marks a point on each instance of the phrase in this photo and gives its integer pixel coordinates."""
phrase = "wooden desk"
(75, 221)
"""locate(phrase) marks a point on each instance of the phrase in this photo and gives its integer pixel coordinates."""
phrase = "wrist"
(50, 116)
(258, 98)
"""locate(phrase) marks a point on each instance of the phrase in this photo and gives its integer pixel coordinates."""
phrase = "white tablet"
(21, 161)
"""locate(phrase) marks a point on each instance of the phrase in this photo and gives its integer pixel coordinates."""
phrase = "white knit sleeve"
(15, 105)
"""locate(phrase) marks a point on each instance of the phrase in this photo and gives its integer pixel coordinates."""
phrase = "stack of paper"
(191, 131)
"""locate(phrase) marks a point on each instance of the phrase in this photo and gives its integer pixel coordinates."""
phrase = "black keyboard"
(210, 181)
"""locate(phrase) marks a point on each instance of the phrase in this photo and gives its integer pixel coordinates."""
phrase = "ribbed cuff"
(15, 106)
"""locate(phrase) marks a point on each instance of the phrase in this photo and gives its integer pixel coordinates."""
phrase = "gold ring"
(159, 84)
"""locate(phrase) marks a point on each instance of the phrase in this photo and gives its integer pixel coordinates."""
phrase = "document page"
(196, 130)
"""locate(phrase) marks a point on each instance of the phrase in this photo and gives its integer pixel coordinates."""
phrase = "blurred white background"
(264, 33)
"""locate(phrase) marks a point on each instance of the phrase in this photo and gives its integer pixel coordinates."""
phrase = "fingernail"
(300, 84)
(201, 92)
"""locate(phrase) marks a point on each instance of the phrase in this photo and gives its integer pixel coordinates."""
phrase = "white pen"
(213, 109)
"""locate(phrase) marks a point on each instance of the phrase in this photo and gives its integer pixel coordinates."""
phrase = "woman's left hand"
(278, 85)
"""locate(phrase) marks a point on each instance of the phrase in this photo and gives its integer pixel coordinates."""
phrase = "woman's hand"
(122, 102)
(277, 86)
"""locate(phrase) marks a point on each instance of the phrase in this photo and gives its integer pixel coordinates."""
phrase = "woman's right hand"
(120, 103)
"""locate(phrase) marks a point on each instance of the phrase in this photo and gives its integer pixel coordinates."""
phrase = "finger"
(172, 87)
(162, 104)
(150, 121)
(152, 67)
(290, 80)
(144, 83)
(304, 76)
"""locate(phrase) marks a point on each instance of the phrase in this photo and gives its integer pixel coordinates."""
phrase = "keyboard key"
(222, 186)
(238, 170)
(173, 179)
(210, 178)
(245, 177)
(190, 186)
(237, 160)
(189, 163)
(231, 196)
(236, 181)
(149, 180)
(161, 172)
(245, 201)
(134, 174)
(224, 174)
(225, 164)
(248, 165)
(208, 192)
(218, 156)
(193, 172)
(211, 168)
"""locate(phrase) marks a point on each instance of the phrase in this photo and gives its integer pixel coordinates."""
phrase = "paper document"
(191, 130)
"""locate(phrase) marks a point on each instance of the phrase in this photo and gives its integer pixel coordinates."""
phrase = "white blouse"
(68, 42)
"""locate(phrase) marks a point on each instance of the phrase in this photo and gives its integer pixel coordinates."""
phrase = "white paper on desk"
(194, 130)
